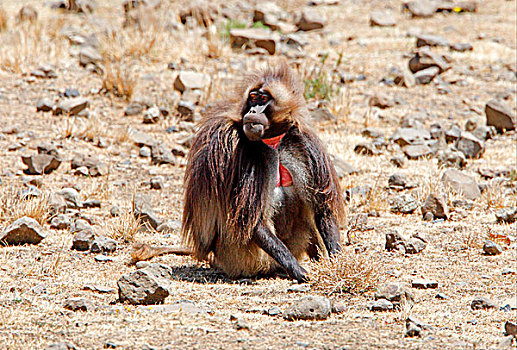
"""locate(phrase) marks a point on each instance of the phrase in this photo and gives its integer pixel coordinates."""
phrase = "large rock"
(431, 40)
(191, 80)
(310, 20)
(407, 136)
(482, 303)
(89, 55)
(83, 240)
(94, 166)
(254, 37)
(500, 115)
(436, 205)
(425, 58)
(146, 286)
(382, 19)
(470, 145)
(23, 231)
(395, 293)
(421, 8)
(404, 204)
(71, 106)
(425, 76)
(508, 215)
(309, 308)
(145, 213)
(461, 183)
(39, 164)
(417, 151)
(162, 155)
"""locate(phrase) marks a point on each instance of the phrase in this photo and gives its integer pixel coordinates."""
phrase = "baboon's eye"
(264, 98)
(254, 96)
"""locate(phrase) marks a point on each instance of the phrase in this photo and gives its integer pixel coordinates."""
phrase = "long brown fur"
(229, 182)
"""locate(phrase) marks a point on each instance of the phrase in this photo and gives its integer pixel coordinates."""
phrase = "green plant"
(224, 32)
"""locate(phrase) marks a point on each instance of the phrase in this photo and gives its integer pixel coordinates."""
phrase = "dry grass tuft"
(13, 205)
(3, 19)
(118, 81)
(125, 227)
(346, 272)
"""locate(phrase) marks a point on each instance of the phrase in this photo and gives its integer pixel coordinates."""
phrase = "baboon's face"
(257, 114)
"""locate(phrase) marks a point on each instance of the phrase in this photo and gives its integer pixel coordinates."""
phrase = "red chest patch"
(283, 176)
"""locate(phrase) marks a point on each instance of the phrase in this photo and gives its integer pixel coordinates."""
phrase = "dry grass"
(346, 272)
(3, 19)
(118, 81)
(125, 227)
(14, 206)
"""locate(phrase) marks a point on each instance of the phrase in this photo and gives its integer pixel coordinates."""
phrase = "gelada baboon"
(261, 191)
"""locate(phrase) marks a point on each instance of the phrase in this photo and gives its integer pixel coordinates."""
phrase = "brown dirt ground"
(35, 280)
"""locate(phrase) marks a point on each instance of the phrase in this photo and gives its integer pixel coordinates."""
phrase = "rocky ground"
(415, 101)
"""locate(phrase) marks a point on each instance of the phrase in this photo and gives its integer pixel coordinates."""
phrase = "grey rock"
(425, 76)
(92, 203)
(310, 20)
(492, 248)
(145, 213)
(421, 8)
(424, 58)
(431, 40)
(169, 226)
(72, 106)
(78, 304)
(95, 166)
(254, 38)
(39, 164)
(25, 230)
(98, 288)
(60, 222)
(103, 258)
(162, 155)
(452, 134)
(186, 110)
(140, 139)
(451, 158)
(83, 240)
(507, 215)
(510, 328)
(398, 180)
(103, 244)
(407, 136)
(191, 80)
(61, 346)
(470, 145)
(134, 108)
(380, 305)
(71, 197)
(484, 132)
(461, 183)
(44, 105)
(404, 204)
(441, 296)
(89, 55)
(146, 286)
(381, 100)
(301, 288)
(424, 284)
(309, 308)
(482, 303)
(156, 183)
(437, 205)
(398, 161)
(145, 152)
(152, 115)
(500, 115)
(394, 292)
(414, 245)
(274, 311)
(382, 19)
(80, 225)
(366, 149)
(461, 47)
(413, 331)
(115, 211)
